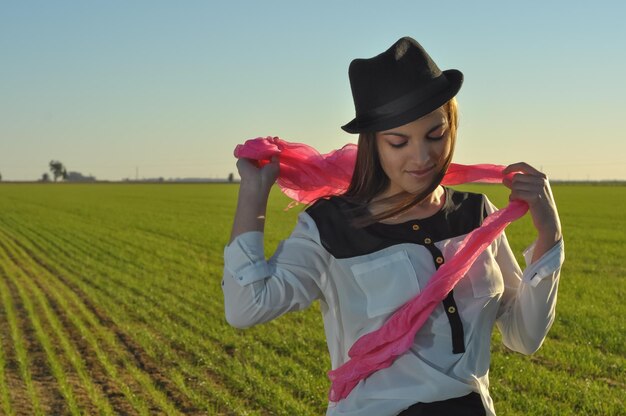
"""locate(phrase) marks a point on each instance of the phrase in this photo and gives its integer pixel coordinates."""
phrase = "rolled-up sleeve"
(257, 290)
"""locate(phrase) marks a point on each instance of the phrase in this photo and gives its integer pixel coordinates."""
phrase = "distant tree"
(0, 177)
(231, 177)
(45, 178)
(58, 170)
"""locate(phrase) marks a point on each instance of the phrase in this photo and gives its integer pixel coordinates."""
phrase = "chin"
(415, 190)
(416, 186)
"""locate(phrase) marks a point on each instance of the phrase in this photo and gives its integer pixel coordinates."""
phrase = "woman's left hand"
(532, 186)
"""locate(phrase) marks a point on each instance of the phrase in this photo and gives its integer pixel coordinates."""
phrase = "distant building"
(78, 177)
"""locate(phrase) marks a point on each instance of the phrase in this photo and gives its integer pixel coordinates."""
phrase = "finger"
(241, 163)
(522, 167)
(529, 179)
(254, 162)
(527, 190)
(523, 179)
(273, 163)
(245, 160)
(531, 196)
(245, 163)
(529, 186)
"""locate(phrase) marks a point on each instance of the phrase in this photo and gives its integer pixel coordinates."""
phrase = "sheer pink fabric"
(305, 175)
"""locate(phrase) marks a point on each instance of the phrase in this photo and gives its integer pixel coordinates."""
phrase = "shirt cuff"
(244, 258)
(546, 266)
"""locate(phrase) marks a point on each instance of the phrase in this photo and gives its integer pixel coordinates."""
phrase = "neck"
(427, 207)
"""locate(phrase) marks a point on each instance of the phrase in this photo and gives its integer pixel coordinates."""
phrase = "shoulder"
(467, 208)
(333, 217)
(324, 206)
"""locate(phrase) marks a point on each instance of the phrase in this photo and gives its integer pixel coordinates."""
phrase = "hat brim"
(455, 80)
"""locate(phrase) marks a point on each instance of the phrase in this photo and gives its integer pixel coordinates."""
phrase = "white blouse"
(359, 286)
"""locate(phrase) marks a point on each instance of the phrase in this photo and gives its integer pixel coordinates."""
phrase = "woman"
(365, 253)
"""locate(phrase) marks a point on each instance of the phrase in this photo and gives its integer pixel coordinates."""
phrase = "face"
(412, 154)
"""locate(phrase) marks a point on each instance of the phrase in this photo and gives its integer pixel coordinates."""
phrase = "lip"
(420, 173)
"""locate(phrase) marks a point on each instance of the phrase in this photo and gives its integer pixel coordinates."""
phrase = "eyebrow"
(406, 136)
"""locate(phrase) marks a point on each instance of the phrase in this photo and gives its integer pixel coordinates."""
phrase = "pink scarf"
(305, 176)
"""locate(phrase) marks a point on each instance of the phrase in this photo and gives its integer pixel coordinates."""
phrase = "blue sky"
(112, 88)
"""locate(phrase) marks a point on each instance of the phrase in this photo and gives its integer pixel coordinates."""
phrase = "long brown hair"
(369, 178)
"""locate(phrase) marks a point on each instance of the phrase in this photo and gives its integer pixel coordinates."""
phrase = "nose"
(420, 153)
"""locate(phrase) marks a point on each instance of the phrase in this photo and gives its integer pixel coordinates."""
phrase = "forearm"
(545, 241)
(251, 209)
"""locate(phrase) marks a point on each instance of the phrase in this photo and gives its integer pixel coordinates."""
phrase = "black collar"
(461, 213)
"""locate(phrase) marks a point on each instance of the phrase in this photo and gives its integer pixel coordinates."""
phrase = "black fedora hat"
(398, 86)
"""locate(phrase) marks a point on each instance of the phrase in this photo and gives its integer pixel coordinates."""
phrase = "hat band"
(405, 102)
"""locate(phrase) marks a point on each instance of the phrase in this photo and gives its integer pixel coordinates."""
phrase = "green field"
(110, 303)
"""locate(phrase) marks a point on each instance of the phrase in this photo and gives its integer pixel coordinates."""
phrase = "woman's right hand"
(257, 178)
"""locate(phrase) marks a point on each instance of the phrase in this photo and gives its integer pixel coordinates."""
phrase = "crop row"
(163, 320)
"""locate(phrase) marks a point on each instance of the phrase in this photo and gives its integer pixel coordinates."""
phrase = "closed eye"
(436, 133)
(437, 138)
(398, 145)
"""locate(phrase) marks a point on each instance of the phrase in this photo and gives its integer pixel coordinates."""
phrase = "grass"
(111, 303)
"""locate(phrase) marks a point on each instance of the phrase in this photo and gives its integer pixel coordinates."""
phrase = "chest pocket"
(485, 275)
(388, 282)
